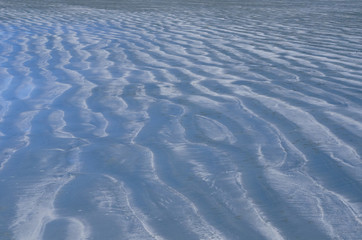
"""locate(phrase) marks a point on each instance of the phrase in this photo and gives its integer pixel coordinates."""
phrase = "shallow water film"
(181, 120)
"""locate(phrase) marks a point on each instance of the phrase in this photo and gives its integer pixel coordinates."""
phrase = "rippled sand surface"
(180, 119)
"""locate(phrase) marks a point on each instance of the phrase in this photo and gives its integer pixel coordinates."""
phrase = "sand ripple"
(193, 120)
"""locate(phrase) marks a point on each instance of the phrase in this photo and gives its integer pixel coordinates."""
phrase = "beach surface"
(180, 119)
